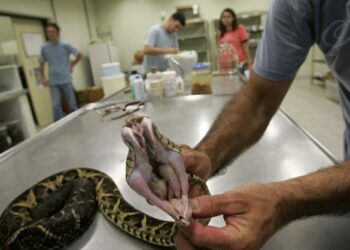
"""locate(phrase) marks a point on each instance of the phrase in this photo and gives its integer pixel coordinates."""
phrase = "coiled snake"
(57, 210)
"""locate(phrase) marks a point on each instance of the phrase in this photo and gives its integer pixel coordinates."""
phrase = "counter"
(82, 140)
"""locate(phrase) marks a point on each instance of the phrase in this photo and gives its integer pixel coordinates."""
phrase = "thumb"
(209, 206)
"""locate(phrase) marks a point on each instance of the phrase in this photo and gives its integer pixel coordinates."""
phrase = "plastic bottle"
(138, 88)
(155, 85)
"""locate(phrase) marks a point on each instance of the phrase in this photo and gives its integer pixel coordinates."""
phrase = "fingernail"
(194, 204)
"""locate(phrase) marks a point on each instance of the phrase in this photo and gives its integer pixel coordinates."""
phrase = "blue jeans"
(67, 91)
(345, 103)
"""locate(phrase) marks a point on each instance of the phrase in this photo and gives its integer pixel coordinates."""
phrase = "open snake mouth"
(157, 172)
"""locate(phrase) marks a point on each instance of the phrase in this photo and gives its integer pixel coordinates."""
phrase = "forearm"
(76, 60)
(42, 70)
(324, 192)
(148, 50)
(243, 120)
(239, 125)
(247, 54)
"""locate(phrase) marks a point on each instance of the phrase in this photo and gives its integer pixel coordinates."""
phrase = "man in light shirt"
(57, 55)
(161, 40)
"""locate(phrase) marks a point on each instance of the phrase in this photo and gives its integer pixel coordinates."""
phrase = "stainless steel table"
(82, 140)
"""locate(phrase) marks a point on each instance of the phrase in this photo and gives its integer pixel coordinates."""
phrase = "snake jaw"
(147, 126)
(129, 136)
(160, 164)
(184, 211)
(184, 222)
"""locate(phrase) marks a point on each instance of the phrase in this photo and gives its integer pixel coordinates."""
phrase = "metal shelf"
(195, 36)
(11, 94)
(191, 38)
(9, 66)
(195, 21)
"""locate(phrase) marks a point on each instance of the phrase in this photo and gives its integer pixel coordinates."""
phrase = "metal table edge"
(4, 156)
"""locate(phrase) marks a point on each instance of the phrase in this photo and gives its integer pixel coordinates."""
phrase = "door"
(30, 37)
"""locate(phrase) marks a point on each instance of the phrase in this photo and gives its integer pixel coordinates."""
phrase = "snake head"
(157, 172)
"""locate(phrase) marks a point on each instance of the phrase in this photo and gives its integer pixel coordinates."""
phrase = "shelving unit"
(321, 75)
(194, 36)
(16, 120)
(319, 68)
(190, 11)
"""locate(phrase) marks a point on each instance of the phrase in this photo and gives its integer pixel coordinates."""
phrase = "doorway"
(30, 37)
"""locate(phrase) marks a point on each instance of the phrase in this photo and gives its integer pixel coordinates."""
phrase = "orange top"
(236, 38)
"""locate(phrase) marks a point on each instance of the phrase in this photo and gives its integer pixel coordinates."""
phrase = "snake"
(57, 210)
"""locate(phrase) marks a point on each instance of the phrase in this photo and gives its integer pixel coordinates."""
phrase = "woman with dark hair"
(233, 39)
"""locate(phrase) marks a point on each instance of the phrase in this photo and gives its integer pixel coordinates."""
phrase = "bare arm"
(42, 74)
(149, 50)
(243, 120)
(324, 192)
(42, 70)
(255, 212)
(247, 54)
(76, 60)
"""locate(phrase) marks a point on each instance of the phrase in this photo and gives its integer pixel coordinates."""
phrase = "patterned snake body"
(57, 210)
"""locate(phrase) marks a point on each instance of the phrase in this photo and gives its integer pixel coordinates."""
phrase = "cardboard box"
(89, 95)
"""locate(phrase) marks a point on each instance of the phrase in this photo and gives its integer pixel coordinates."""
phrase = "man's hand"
(196, 162)
(150, 50)
(45, 82)
(173, 51)
(251, 214)
(75, 61)
(250, 67)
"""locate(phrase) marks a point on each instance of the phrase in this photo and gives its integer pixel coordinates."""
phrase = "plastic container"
(110, 69)
(201, 79)
(155, 85)
(132, 77)
(173, 84)
(113, 84)
(138, 91)
(182, 63)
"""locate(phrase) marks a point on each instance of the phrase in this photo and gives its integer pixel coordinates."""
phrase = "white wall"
(74, 30)
(130, 20)
(40, 8)
(71, 17)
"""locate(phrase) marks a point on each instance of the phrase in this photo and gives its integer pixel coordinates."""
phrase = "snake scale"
(57, 210)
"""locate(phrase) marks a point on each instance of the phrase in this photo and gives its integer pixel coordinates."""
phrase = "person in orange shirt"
(233, 39)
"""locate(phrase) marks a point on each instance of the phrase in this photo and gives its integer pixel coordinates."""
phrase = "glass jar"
(201, 79)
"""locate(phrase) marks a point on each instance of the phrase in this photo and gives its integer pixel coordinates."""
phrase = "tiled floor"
(322, 118)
